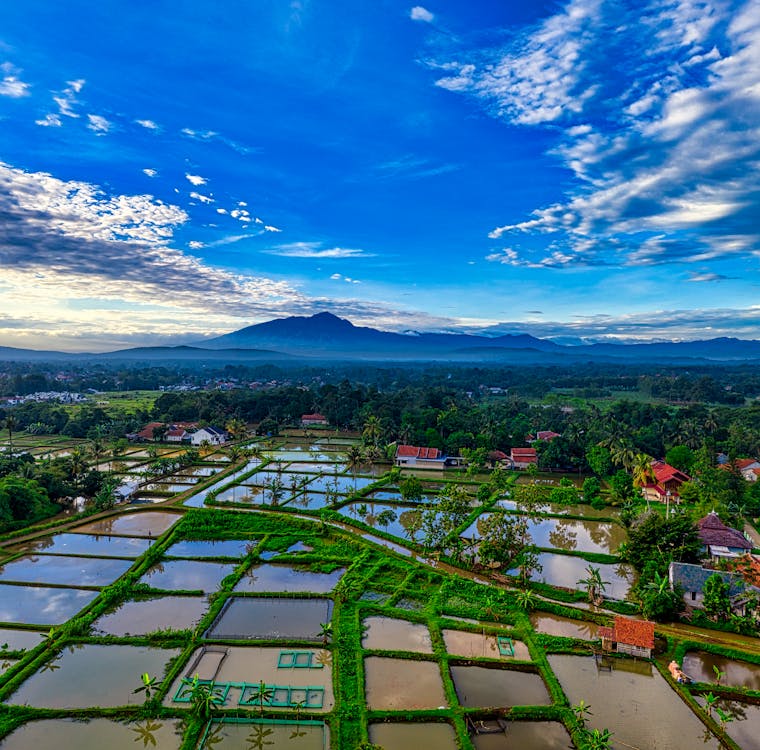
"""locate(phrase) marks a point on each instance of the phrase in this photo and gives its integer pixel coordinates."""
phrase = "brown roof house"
(632, 637)
(522, 458)
(719, 540)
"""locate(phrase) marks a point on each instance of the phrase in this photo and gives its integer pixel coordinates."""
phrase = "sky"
(585, 170)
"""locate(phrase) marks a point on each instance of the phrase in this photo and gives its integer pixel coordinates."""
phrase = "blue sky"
(587, 169)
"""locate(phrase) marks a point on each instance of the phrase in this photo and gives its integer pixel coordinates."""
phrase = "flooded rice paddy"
(19, 640)
(83, 544)
(483, 687)
(414, 736)
(565, 627)
(400, 684)
(147, 524)
(65, 571)
(91, 675)
(224, 548)
(95, 734)
(187, 575)
(41, 605)
(525, 735)
(142, 616)
(638, 706)
(303, 735)
(480, 646)
(275, 578)
(701, 666)
(269, 617)
(389, 634)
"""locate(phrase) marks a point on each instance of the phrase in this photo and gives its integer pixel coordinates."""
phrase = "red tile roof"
(743, 463)
(546, 435)
(147, 431)
(497, 456)
(712, 531)
(413, 451)
(313, 417)
(665, 472)
(634, 632)
(523, 452)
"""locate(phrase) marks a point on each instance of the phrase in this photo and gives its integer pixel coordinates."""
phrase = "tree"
(372, 430)
(10, 425)
(237, 428)
(642, 472)
(503, 537)
(652, 537)
(262, 694)
(658, 601)
(149, 685)
(717, 601)
(621, 486)
(354, 458)
(681, 457)
(411, 489)
(599, 461)
(594, 584)
(592, 489)
(203, 695)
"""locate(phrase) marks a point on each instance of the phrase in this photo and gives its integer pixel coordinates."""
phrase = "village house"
(146, 434)
(626, 636)
(522, 458)
(719, 540)
(546, 435)
(211, 435)
(424, 458)
(668, 481)
(309, 420)
(692, 579)
(749, 468)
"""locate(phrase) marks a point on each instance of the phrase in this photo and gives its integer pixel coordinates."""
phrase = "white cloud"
(67, 99)
(98, 124)
(418, 13)
(201, 198)
(347, 279)
(195, 245)
(315, 250)
(195, 179)
(270, 228)
(222, 210)
(49, 121)
(13, 87)
(336, 277)
(148, 124)
(150, 172)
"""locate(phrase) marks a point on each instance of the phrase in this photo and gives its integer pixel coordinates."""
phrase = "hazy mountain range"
(327, 337)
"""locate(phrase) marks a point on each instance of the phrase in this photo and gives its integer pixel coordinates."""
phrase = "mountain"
(326, 335)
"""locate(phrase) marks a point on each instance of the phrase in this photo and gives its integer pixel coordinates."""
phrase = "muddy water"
(197, 471)
(90, 675)
(414, 736)
(71, 571)
(565, 571)
(640, 709)
(481, 687)
(388, 634)
(306, 735)
(222, 548)
(526, 735)
(39, 605)
(148, 615)
(276, 578)
(243, 493)
(272, 618)
(187, 575)
(567, 534)
(400, 684)
(310, 501)
(150, 524)
(81, 544)
(699, 665)
(564, 626)
(19, 640)
(477, 645)
(744, 728)
(96, 734)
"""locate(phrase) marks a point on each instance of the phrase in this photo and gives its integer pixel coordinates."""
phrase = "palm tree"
(237, 428)
(235, 453)
(372, 430)
(594, 584)
(325, 631)
(10, 425)
(77, 463)
(354, 457)
(642, 471)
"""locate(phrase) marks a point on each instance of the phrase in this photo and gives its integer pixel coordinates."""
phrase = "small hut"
(626, 636)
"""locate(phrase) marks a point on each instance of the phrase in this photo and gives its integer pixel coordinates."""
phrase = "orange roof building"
(627, 636)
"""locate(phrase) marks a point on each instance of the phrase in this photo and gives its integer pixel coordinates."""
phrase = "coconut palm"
(642, 471)
(10, 424)
(354, 458)
(372, 430)
(237, 428)
(235, 453)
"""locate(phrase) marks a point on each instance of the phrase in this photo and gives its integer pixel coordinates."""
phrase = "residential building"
(424, 458)
(667, 482)
(211, 435)
(719, 540)
(692, 579)
(521, 458)
(309, 420)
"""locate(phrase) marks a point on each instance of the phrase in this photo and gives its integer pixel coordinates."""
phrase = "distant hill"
(325, 336)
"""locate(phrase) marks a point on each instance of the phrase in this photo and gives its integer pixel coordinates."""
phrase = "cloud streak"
(315, 250)
(660, 153)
